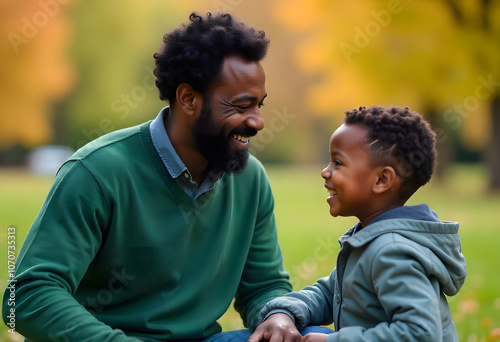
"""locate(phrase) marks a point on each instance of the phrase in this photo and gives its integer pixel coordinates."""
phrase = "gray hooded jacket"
(389, 284)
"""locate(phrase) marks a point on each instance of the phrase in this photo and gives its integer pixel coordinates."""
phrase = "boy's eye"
(337, 162)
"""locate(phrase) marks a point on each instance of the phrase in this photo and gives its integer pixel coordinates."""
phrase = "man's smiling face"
(230, 115)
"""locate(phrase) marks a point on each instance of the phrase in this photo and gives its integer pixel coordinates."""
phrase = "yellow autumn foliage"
(34, 71)
(396, 52)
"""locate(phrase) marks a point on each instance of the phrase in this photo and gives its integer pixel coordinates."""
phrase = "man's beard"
(215, 146)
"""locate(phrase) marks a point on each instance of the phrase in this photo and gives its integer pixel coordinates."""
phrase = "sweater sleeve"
(264, 277)
(62, 242)
(309, 306)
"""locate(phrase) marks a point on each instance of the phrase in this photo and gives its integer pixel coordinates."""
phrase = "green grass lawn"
(308, 234)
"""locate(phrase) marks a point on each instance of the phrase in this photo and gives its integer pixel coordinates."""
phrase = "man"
(148, 233)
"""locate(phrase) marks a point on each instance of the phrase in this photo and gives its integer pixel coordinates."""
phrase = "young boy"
(396, 265)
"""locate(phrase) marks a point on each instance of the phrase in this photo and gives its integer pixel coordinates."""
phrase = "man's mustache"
(245, 131)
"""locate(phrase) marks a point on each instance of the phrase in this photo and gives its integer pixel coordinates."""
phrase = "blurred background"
(72, 71)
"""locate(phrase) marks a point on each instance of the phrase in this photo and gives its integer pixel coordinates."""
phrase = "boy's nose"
(325, 173)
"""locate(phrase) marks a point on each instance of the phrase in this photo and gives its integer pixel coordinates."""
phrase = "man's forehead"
(241, 77)
(235, 67)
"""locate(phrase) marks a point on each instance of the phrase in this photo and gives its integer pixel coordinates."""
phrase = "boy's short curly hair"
(194, 52)
(403, 136)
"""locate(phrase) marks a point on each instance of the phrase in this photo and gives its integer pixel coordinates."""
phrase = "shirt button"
(186, 175)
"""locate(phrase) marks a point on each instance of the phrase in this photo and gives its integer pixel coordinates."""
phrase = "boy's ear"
(386, 180)
(188, 99)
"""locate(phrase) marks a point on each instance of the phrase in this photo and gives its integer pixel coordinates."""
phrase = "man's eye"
(242, 107)
(261, 104)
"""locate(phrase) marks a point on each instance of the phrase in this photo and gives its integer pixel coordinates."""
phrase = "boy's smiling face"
(350, 175)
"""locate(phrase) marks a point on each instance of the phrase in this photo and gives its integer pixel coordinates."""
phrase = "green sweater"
(119, 252)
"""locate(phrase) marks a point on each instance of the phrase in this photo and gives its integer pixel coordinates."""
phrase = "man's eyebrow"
(250, 98)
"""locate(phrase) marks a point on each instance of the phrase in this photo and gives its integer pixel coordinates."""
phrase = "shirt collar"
(164, 146)
(173, 162)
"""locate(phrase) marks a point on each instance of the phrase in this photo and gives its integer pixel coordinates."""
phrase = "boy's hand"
(276, 328)
(314, 337)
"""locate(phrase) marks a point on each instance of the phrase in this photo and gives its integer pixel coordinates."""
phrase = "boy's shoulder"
(418, 223)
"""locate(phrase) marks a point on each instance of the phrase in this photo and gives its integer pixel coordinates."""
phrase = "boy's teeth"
(331, 192)
(241, 138)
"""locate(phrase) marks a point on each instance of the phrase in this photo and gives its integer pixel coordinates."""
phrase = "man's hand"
(276, 328)
(314, 337)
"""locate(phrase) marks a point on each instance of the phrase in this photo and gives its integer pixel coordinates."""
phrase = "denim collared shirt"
(173, 162)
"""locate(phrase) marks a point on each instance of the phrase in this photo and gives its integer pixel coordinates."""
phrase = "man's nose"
(255, 120)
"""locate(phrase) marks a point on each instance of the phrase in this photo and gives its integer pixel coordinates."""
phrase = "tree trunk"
(444, 140)
(493, 150)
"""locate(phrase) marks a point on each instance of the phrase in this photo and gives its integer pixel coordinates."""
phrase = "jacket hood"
(421, 224)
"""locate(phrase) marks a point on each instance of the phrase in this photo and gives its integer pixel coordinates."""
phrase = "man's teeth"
(241, 138)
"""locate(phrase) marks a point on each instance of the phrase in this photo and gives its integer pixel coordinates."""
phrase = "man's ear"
(386, 179)
(188, 99)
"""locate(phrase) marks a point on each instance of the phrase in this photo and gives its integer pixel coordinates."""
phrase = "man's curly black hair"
(194, 52)
(403, 136)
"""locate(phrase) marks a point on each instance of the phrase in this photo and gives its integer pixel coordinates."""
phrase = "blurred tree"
(35, 72)
(113, 51)
(400, 53)
(478, 24)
